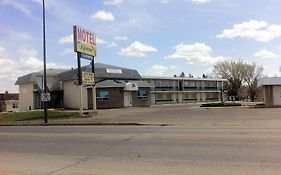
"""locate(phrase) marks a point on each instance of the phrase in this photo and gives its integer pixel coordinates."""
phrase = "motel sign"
(84, 41)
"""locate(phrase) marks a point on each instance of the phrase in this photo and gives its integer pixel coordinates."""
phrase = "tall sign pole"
(80, 84)
(45, 76)
(94, 87)
(85, 46)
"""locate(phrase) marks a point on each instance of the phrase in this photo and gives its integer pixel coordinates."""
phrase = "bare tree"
(238, 73)
(234, 72)
(252, 73)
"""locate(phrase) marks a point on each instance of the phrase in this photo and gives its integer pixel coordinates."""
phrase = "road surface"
(122, 150)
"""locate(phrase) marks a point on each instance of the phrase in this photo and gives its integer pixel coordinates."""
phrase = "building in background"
(9, 102)
(185, 90)
(271, 89)
(116, 87)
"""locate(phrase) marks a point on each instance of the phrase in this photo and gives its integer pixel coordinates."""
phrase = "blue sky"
(156, 37)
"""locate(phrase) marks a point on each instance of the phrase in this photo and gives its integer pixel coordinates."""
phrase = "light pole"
(44, 55)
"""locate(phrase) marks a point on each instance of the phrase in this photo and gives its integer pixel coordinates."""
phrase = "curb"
(86, 124)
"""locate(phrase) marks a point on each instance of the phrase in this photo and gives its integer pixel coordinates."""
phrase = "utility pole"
(45, 76)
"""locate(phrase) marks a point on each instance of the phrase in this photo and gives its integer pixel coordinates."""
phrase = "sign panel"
(131, 87)
(88, 78)
(87, 57)
(45, 97)
(114, 71)
(84, 41)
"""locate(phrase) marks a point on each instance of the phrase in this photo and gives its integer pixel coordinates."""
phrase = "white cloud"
(257, 30)
(158, 69)
(198, 53)
(137, 49)
(112, 44)
(200, 1)
(66, 39)
(101, 41)
(264, 54)
(13, 68)
(103, 15)
(112, 2)
(118, 38)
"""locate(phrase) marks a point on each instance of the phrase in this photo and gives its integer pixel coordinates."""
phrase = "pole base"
(90, 113)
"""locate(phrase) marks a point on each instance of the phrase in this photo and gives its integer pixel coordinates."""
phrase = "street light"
(44, 56)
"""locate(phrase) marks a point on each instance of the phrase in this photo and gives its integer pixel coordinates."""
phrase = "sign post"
(94, 88)
(85, 46)
(45, 104)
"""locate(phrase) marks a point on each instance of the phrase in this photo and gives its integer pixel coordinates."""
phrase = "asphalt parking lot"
(189, 115)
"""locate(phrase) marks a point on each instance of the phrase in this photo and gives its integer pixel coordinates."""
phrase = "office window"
(142, 94)
(102, 95)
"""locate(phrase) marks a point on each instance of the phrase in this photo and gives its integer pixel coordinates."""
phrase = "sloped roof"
(111, 83)
(32, 76)
(142, 83)
(181, 78)
(103, 71)
(269, 81)
(120, 83)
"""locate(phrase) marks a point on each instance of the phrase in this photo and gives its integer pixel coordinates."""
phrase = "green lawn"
(35, 115)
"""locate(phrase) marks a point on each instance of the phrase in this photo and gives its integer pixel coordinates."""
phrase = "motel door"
(127, 99)
(277, 95)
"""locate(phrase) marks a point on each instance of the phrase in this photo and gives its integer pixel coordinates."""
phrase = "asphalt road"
(122, 150)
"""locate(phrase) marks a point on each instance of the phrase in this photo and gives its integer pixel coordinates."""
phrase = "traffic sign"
(45, 97)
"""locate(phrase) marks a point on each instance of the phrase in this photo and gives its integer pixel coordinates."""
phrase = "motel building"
(271, 89)
(185, 90)
(116, 87)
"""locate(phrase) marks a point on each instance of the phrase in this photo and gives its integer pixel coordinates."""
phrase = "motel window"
(193, 95)
(190, 84)
(159, 96)
(210, 95)
(102, 95)
(142, 94)
(211, 84)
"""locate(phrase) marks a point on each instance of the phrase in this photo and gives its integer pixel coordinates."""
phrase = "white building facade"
(271, 88)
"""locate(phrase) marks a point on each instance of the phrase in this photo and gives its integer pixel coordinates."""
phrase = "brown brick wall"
(116, 99)
(141, 102)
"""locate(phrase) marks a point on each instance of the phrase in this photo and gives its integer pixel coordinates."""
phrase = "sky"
(155, 37)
